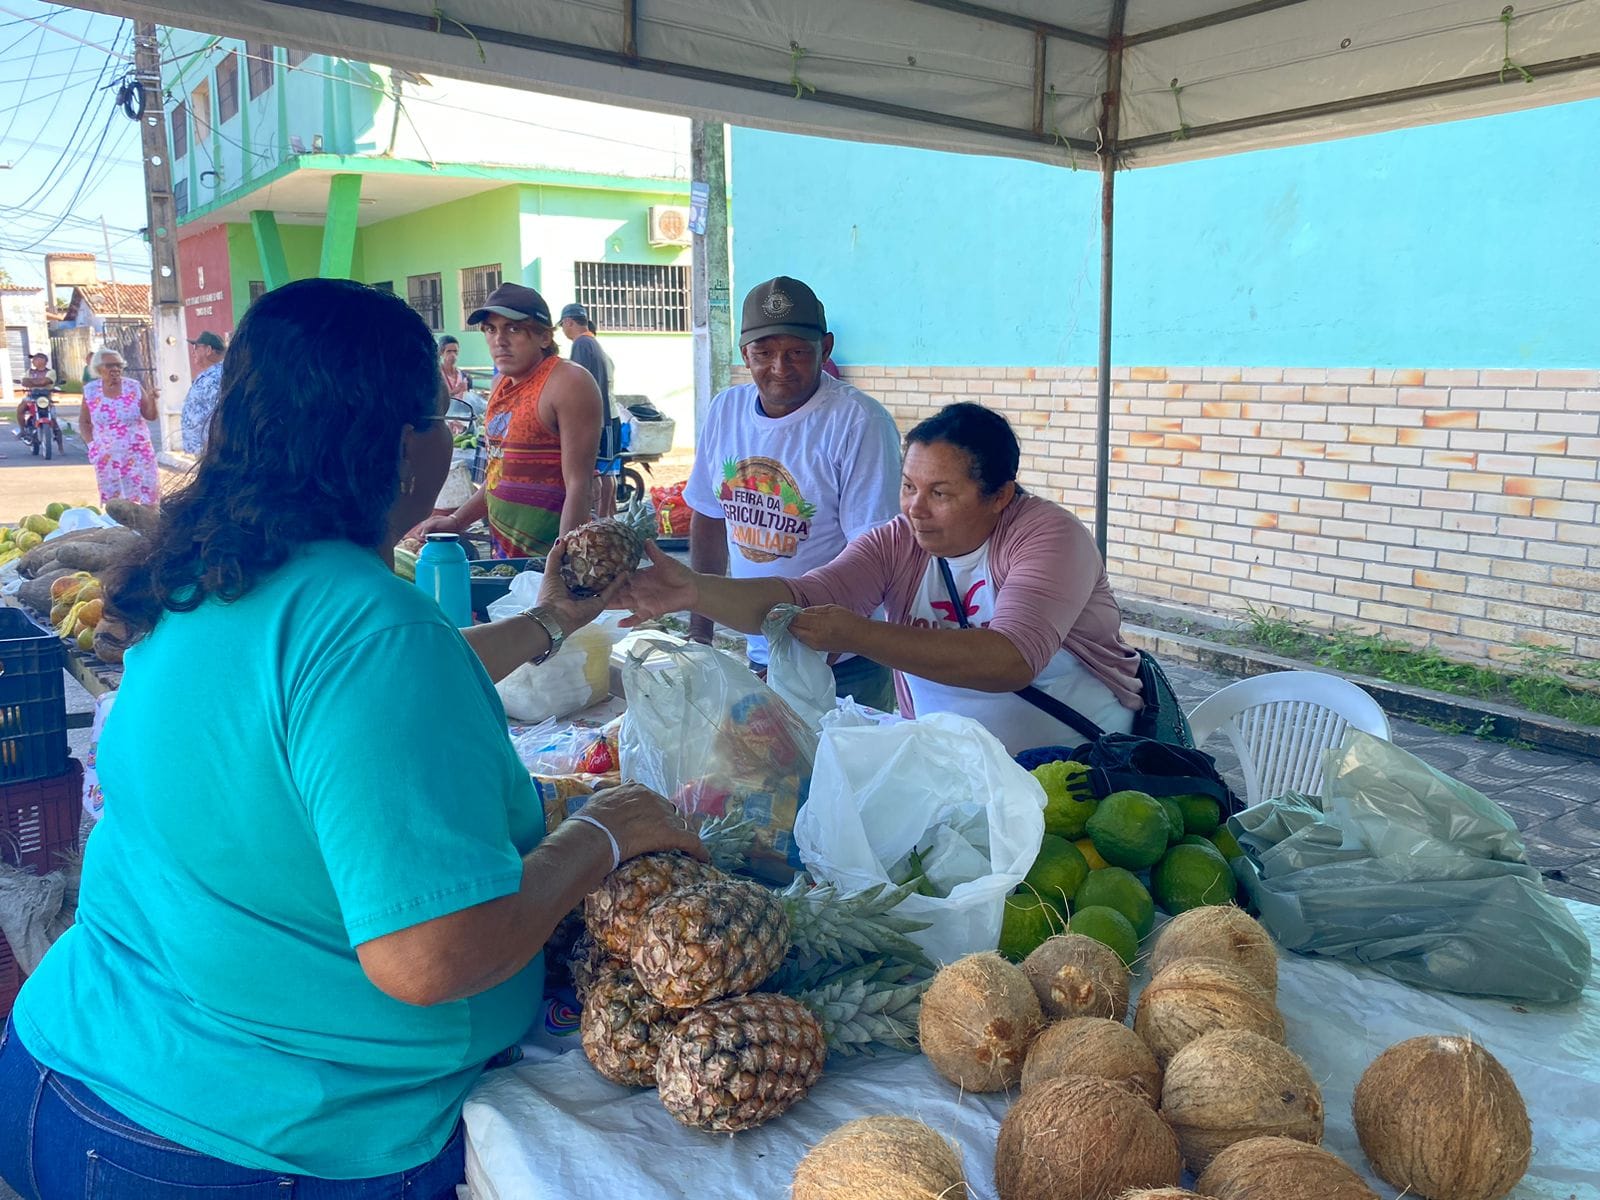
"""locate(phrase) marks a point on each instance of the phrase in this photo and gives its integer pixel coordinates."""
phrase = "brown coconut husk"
(1234, 1085)
(1077, 976)
(1193, 997)
(1078, 1138)
(1163, 1194)
(881, 1158)
(979, 1016)
(1439, 1117)
(1273, 1168)
(1223, 933)
(1093, 1046)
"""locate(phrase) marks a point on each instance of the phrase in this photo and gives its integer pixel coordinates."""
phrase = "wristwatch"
(552, 627)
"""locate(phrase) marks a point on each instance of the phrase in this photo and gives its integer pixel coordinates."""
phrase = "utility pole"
(172, 358)
(711, 315)
(111, 266)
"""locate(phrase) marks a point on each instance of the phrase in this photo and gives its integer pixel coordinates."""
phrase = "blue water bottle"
(443, 573)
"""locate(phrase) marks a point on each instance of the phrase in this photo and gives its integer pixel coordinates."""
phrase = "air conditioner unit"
(669, 225)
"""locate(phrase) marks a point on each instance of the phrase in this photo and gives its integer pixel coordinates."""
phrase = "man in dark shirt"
(587, 353)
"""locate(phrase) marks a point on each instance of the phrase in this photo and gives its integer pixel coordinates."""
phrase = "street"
(28, 482)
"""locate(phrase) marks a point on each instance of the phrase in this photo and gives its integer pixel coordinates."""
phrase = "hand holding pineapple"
(668, 586)
(574, 612)
(642, 821)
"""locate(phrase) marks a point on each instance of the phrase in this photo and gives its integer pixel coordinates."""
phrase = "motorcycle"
(40, 425)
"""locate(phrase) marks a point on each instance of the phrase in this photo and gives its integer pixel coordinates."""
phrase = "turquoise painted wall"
(1472, 244)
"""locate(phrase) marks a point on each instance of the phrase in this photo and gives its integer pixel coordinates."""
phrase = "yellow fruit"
(1091, 855)
(59, 611)
(66, 588)
(86, 639)
(28, 540)
(91, 590)
(90, 611)
(39, 524)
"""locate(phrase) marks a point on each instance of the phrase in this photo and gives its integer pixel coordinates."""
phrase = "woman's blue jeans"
(59, 1141)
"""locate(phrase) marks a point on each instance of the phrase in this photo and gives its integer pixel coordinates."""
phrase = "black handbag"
(1158, 757)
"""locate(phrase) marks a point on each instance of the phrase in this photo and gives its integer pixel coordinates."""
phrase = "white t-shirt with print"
(1016, 722)
(794, 489)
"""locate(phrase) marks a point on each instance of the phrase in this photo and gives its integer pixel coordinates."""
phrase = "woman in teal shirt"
(313, 909)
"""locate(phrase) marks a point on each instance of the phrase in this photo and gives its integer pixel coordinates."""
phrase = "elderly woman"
(997, 602)
(112, 422)
(309, 917)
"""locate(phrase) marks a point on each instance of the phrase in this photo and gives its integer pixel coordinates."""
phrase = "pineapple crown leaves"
(638, 516)
(868, 1006)
(728, 840)
(851, 929)
(730, 468)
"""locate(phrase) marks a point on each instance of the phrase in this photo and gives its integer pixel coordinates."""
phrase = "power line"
(16, 109)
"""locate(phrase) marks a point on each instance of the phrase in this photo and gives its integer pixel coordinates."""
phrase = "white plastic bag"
(578, 676)
(944, 781)
(796, 672)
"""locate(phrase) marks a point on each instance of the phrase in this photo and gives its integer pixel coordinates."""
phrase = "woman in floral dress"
(115, 410)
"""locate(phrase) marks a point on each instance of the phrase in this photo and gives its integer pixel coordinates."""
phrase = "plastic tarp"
(1015, 77)
(553, 1128)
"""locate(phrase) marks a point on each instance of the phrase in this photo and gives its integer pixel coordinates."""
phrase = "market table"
(550, 1127)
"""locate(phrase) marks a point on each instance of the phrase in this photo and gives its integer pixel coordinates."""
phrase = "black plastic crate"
(33, 706)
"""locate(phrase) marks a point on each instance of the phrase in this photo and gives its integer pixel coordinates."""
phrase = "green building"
(288, 165)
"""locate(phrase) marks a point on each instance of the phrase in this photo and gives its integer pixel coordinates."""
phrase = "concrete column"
(339, 229)
(269, 248)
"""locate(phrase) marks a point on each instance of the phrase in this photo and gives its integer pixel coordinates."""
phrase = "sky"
(73, 154)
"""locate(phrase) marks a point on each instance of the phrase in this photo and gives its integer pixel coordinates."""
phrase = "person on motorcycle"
(38, 379)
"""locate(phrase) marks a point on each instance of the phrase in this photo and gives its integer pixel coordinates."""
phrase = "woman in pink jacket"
(997, 602)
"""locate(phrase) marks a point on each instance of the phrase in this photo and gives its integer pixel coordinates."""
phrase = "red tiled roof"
(114, 300)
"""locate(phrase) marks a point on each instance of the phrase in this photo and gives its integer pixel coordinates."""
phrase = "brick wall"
(1448, 508)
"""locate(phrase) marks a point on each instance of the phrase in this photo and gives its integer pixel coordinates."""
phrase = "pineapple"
(736, 1063)
(615, 907)
(587, 963)
(623, 1028)
(716, 939)
(558, 950)
(600, 551)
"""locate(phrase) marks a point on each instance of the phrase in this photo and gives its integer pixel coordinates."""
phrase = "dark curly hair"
(319, 381)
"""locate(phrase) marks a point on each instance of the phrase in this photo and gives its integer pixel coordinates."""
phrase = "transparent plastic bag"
(941, 786)
(1413, 873)
(704, 731)
(796, 672)
(577, 677)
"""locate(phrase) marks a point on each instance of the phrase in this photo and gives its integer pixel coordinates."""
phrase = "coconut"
(979, 1015)
(1440, 1117)
(1222, 933)
(1079, 1138)
(881, 1158)
(1077, 976)
(1093, 1046)
(1234, 1085)
(1274, 1168)
(1194, 997)
(1162, 1194)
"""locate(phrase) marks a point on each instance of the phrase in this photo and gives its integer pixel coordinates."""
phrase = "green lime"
(1194, 839)
(1224, 841)
(1057, 872)
(1201, 814)
(1068, 800)
(1130, 830)
(1192, 876)
(1028, 922)
(1108, 926)
(1174, 818)
(1117, 888)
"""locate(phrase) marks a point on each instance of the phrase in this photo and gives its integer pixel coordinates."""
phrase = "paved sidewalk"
(1554, 798)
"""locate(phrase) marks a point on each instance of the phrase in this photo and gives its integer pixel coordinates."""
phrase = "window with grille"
(228, 87)
(260, 56)
(200, 112)
(634, 297)
(180, 131)
(258, 289)
(476, 284)
(425, 294)
(296, 57)
(180, 197)
(386, 286)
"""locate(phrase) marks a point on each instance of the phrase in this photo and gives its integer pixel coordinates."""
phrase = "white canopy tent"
(1121, 83)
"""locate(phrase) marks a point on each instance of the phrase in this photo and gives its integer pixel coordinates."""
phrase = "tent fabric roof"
(1016, 77)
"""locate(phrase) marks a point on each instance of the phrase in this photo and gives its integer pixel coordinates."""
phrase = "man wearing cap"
(542, 432)
(204, 392)
(792, 466)
(591, 356)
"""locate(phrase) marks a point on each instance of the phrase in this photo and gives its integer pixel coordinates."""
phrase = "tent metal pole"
(1110, 113)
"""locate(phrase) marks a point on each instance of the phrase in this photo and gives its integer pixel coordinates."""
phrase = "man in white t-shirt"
(791, 467)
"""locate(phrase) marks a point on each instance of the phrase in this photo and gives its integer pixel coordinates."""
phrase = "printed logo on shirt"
(947, 610)
(767, 516)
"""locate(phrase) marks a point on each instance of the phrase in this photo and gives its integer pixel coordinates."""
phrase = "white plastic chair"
(1280, 724)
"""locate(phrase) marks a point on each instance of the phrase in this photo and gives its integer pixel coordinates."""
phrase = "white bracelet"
(616, 850)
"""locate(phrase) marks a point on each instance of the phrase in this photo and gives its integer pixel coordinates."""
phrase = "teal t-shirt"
(313, 766)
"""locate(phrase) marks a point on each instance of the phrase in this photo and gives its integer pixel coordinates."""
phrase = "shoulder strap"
(1037, 697)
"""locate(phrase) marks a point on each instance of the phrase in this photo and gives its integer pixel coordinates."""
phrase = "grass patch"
(1543, 684)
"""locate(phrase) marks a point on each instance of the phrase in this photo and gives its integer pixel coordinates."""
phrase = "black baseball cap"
(782, 305)
(38, 354)
(576, 311)
(515, 302)
(210, 341)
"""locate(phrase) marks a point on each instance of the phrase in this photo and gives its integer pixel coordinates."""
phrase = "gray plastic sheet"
(1409, 871)
(551, 1129)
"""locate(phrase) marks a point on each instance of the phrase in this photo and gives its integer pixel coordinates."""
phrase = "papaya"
(90, 612)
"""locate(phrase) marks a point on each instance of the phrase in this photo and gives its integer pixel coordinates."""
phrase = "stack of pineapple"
(669, 967)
